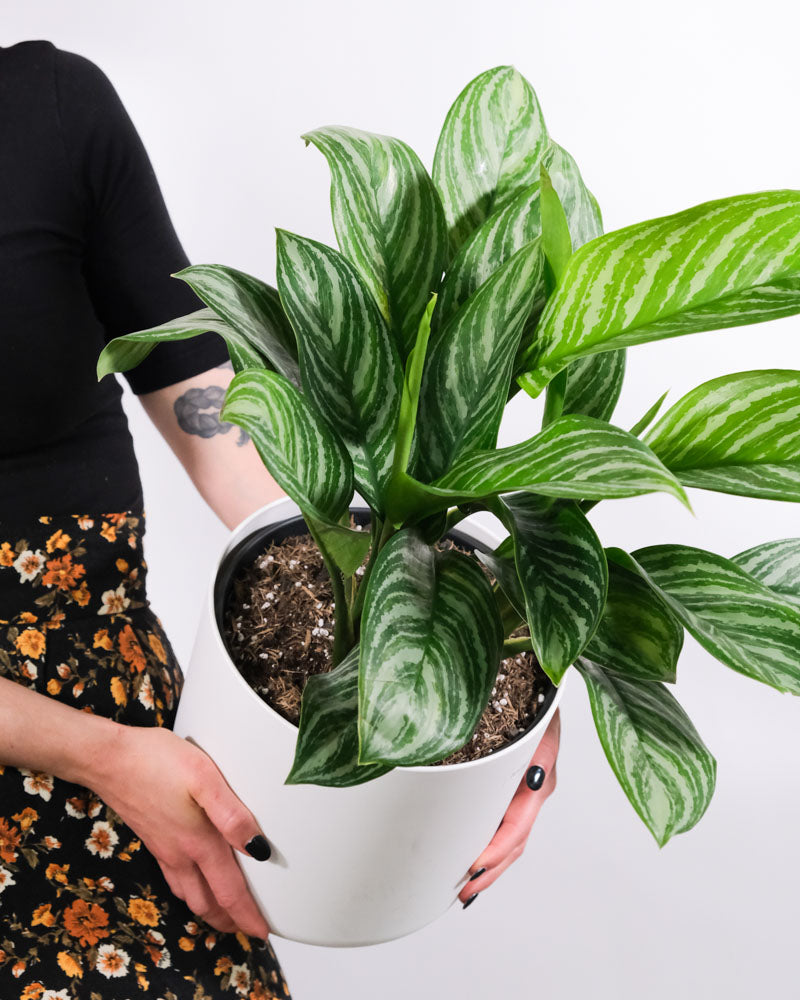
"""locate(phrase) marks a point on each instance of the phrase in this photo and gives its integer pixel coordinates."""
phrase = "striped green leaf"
(249, 306)
(638, 636)
(127, 351)
(740, 621)
(736, 434)
(776, 565)
(388, 220)
(348, 362)
(664, 767)
(501, 565)
(580, 207)
(720, 264)
(489, 149)
(430, 648)
(301, 451)
(510, 228)
(573, 458)
(326, 752)
(469, 366)
(594, 384)
(563, 574)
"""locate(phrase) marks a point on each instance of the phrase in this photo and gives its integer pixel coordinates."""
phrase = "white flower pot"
(349, 866)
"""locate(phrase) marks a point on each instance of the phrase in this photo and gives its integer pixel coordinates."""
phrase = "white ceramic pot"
(349, 866)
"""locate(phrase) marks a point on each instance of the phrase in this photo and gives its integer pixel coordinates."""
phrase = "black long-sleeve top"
(86, 252)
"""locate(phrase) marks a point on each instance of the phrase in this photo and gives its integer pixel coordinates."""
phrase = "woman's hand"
(174, 797)
(509, 841)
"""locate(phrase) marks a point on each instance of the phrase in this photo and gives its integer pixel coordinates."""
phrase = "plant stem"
(376, 530)
(513, 646)
(343, 636)
(454, 515)
(554, 400)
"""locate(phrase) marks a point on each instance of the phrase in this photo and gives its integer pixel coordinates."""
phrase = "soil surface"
(278, 627)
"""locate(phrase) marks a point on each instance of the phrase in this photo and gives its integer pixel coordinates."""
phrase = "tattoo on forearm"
(197, 411)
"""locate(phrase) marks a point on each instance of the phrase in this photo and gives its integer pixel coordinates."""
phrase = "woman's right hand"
(175, 798)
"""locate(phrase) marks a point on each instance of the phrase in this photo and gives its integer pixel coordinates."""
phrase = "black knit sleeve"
(131, 247)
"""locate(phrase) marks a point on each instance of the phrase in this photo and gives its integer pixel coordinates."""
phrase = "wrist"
(95, 753)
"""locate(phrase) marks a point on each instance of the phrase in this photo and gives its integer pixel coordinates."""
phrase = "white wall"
(663, 106)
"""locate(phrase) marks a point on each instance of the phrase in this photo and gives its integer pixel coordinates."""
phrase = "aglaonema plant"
(385, 367)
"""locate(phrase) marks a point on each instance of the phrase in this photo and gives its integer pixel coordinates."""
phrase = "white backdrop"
(663, 106)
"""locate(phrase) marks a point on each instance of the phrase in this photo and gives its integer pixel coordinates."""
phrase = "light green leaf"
(736, 434)
(556, 240)
(740, 621)
(326, 752)
(127, 351)
(388, 220)
(300, 450)
(469, 366)
(249, 306)
(638, 636)
(720, 264)
(347, 547)
(430, 648)
(643, 422)
(409, 402)
(489, 149)
(348, 362)
(664, 767)
(776, 565)
(563, 574)
(580, 206)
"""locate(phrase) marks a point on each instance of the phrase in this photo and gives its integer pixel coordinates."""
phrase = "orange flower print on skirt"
(85, 911)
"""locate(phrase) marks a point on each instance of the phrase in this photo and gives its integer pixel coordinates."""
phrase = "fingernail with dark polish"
(535, 777)
(258, 848)
(480, 871)
(471, 899)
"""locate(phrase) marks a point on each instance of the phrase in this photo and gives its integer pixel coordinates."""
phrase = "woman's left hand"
(509, 841)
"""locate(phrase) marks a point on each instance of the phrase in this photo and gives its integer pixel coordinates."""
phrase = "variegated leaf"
(127, 351)
(469, 366)
(638, 636)
(303, 454)
(720, 264)
(348, 362)
(574, 457)
(501, 565)
(489, 149)
(388, 220)
(775, 564)
(664, 767)
(736, 434)
(249, 306)
(647, 418)
(740, 621)
(563, 573)
(430, 648)
(326, 752)
(510, 228)
(594, 384)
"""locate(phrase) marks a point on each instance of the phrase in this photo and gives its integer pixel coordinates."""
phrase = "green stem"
(554, 400)
(343, 635)
(520, 645)
(376, 531)
(454, 515)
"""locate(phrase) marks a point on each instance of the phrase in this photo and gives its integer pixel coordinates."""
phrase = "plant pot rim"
(253, 539)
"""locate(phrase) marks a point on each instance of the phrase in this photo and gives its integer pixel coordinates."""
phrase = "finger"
(226, 881)
(227, 812)
(491, 875)
(201, 901)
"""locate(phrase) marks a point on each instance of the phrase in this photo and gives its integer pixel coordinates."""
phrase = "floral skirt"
(85, 911)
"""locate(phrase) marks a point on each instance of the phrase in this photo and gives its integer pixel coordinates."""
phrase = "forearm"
(42, 734)
(219, 457)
